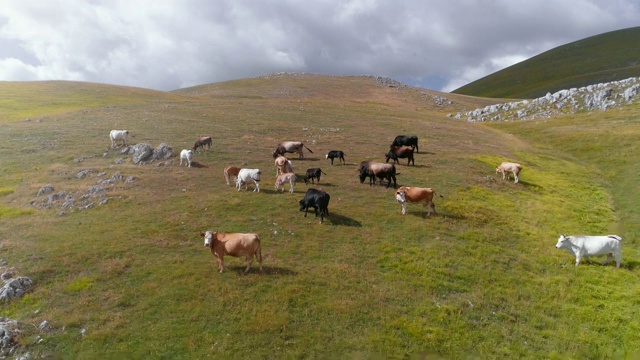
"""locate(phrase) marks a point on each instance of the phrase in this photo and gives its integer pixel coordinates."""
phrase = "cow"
(229, 172)
(201, 142)
(414, 194)
(584, 246)
(401, 152)
(508, 167)
(290, 147)
(246, 175)
(284, 178)
(317, 199)
(313, 173)
(333, 154)
(187, 155)
(405, 140)
(233, 244)
(116, 135)
(375, 170)
(283, 165)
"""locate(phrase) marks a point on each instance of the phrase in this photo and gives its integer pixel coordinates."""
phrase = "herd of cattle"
(248, 245)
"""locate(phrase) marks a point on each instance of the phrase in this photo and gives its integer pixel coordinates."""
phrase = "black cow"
(405, 140)
(335, 154)
(374, 170)
(313, 173)
(317, 199)
(401, 152)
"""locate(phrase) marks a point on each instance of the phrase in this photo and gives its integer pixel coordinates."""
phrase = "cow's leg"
(249, 262)
(404, 207)
(618, 256)
(220, 264)
(608, 259)
(257, 186)
(516, 178)
(578, 257)
(306, 209)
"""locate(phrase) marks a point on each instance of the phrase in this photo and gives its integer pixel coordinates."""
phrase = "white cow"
(187, 155)
(246, 175)
(115, 135)
(584, 246)
(285, 178)
(508, 167)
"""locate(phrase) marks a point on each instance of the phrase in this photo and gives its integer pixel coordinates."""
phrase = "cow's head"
(363, 174)
(563, 242)
(208, 237)
(400, 196)
(302, 205)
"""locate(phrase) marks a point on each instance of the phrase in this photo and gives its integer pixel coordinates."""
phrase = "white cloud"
(171, 44)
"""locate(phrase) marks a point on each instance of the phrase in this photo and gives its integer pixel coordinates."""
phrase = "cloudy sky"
(171, 44)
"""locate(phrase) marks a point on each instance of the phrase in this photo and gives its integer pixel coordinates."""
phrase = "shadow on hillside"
(266, 270)
(310, 184)
(340, 220)
(425, 153)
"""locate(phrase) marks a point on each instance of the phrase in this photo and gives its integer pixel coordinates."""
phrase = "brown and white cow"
(230, 172)
(201, 142)
(288, 177)
(283, 165)
(401, 152)
(233, 244)
(290, 147)
(415, 194)
(508, 167)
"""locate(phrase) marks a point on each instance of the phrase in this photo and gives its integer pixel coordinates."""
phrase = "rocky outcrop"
(589, 98)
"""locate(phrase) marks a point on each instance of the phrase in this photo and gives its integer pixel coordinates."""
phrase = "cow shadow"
(423, 214)
(318, 184)
(341, 220)
(424, 153)
(266, 270)
(629, 264)
(197, 165)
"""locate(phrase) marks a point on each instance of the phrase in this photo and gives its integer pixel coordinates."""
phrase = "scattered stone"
(45, 190)
(44, 325)
(6, 275)
(82, 174)
(129, 180)
(14, 288)
(119, 161)
(80, 159)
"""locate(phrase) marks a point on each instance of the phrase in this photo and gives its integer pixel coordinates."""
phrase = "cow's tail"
(226, 176)
(323, 172)
(615, 237)
(305, 146)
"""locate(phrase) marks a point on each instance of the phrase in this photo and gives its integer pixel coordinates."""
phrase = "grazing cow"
(283, 165)
(290, 147)
(317, 199)
(284, 178)
(187, 155)
(116, 135)
(415, 194)
(405, 140)
(233, 244)
(375, 170)
(584, 246)
(246, 175)
(229, 172)
(401, 152)
(336, 154)
(508, 167)
(202, 141)
(313, 173)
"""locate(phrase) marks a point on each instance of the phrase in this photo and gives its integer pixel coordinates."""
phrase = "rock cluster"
(144, 153)
(48, 199)
(600, 96)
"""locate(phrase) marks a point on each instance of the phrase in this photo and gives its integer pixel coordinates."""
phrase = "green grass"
(480, 279)
(598, 59)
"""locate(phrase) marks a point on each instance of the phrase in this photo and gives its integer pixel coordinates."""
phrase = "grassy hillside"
(597, 59)
(480, 279)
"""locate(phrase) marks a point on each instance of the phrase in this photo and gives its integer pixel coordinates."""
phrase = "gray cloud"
(173, 44)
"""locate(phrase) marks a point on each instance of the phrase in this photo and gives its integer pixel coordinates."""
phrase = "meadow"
(482, 279)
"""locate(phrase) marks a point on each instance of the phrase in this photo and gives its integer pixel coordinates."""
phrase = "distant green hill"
(607, 57)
